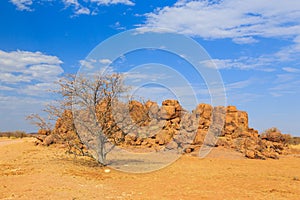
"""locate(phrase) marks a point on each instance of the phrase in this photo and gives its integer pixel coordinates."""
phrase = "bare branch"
(39, 121)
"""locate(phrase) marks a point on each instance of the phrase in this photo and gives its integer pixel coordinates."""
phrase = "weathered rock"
(44, 132)
(130, 138)
(204, 110)
(40, 139)
(139, 113)
(250, 154)
(171, 127)
(200, 136)
(153, 109)
(163, 137)
(231, 109)
(171, 102)
(50, 139)
(172, 145)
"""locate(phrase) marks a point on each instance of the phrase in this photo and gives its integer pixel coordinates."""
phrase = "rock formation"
(171, 127)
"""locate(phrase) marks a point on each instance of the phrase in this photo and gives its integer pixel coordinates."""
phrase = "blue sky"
(254, 43)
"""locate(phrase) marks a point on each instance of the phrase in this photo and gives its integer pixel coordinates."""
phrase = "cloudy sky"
(254, 43)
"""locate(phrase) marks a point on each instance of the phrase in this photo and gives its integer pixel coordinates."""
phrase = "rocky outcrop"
(170, 127)
(237, 135)
(64, 133)
(188, 131)
(159, 127)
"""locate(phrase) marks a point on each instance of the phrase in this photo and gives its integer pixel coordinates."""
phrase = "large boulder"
(168, 112)
(170, 109)
(50, 139)
(163, 137)
(152, 108)
(204, 110)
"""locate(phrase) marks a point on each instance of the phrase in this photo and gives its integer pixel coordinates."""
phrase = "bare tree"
(99, 115)
(96, 113)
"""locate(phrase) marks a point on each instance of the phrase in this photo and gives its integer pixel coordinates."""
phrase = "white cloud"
(289, 53)
(88, 63)
(244, 40)
(83, 11)
(291, 69)
(82, 7)
(283, 78)
(41, 72)
(118, 26)
(25, 80)
(87, 8)
(290, 87)
(16, 61)
(39, 89)
(105, 61)
(11, 78)
(239, 84)
(13, 111)
(241, 20)
(286, 83)
(78, 8)
(109, 2)
(44, 72)
(5, 88)
(24, 70)
(71, 2)
(22, 4)
(262, 63)
(218, 63)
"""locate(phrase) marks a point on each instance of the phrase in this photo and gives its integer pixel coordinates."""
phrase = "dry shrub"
(295, 149)
(275, 135)
(14, 134)
(294, 141)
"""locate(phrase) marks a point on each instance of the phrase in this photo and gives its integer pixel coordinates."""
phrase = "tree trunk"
(101, 151)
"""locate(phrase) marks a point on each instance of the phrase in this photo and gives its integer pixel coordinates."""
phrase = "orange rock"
(168, 112)
(231, 109)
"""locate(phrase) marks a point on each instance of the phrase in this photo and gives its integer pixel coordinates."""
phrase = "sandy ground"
(4, 142)
(35, 172)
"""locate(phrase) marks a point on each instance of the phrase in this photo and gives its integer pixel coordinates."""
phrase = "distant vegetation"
(14, 134)
(294, 141)
(275, 135)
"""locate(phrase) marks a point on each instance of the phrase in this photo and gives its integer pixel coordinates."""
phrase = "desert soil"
(36, 172)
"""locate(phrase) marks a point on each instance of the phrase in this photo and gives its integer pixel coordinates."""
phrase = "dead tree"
(101, 119)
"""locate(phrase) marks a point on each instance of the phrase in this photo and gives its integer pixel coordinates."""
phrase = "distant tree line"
(14, 134)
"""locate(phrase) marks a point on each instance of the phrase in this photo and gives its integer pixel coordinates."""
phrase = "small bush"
(14, 134)
(275, 135)
(294, 141)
